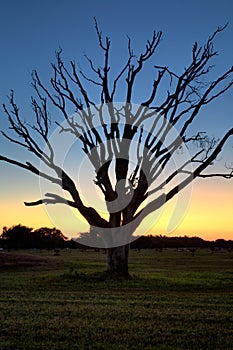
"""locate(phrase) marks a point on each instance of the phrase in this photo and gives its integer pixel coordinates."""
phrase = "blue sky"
(31, 32)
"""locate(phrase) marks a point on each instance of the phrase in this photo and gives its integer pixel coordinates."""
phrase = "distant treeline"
(161, 242)
(23, 237)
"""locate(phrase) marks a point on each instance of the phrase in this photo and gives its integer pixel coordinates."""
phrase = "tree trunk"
(117, 261)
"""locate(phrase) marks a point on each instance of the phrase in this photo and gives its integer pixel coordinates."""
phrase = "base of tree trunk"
(117, 261)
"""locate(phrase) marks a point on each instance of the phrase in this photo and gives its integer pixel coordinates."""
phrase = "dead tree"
(108, 133)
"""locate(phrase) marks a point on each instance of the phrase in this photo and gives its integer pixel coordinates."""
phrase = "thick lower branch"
(89, 213)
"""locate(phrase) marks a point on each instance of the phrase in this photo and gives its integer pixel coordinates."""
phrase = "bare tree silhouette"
(109, 131)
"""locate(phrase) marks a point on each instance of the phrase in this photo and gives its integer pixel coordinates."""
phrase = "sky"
(30, 34)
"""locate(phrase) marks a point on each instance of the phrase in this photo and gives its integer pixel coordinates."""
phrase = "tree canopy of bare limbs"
(111, 132)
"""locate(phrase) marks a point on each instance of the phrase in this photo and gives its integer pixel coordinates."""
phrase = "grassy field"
(173, 301)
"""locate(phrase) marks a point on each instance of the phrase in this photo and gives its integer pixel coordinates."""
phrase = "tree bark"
(117, 261)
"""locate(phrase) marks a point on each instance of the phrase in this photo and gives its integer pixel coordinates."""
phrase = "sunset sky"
(31, 32)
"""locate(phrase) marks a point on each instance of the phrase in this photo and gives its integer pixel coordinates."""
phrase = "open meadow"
(173, 301)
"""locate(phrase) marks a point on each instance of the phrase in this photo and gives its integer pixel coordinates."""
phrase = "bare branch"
(31, 168)
(127, 65)
(31, 204)
(155, 87)
(54, 199)
(132, 71)
(226, 176)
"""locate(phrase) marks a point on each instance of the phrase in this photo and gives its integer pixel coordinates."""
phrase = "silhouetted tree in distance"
(23, 237)
(175, 100)
(16, 237)
(49, 238)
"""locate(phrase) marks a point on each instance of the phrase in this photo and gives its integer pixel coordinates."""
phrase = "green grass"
(173, 301)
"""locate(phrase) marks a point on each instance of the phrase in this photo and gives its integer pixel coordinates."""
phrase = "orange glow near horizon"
(209, 214)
